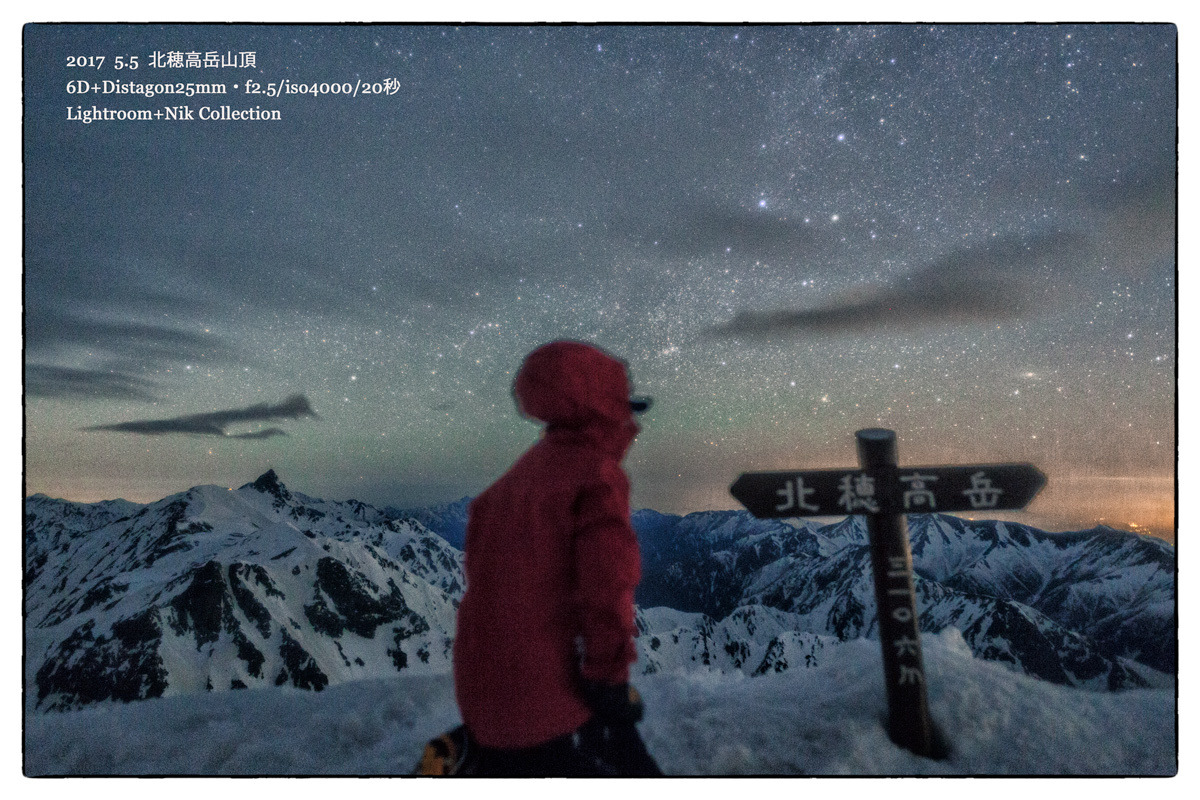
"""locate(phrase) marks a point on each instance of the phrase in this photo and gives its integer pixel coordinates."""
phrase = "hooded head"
(573, 384)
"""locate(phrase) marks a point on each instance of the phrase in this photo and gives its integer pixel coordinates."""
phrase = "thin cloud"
(122, 354)
(134, 343)
(215, 422)
(265, 434)
(999, 281)
(43, 380)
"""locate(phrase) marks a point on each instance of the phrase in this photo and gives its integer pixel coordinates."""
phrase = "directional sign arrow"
(904, 490)
(813, 493)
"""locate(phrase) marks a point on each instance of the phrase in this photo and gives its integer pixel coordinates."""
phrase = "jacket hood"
(574, 385)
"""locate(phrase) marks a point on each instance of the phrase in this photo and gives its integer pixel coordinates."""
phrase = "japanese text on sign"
(858, 492)
(795, 493)
(982, 494)
(917, 493)
(898, 572)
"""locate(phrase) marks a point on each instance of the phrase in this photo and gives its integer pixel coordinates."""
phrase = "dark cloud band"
(1000, 281)
(214, 423)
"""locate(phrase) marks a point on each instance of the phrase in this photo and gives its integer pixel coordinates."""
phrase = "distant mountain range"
(216, 589)
(1092, 608)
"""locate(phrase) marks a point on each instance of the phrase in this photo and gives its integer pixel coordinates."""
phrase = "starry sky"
(962, 233)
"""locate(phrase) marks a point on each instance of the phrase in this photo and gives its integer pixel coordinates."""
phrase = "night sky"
(963, 233)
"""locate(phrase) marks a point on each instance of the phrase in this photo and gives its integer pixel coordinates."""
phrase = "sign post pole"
(909, 723)
(884, 493)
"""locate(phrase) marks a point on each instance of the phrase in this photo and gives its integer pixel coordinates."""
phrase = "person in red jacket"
(546, 627)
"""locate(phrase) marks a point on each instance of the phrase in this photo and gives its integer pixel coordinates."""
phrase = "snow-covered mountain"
(1093, 608)
(217, 589)
(753, 640)
(449, 520)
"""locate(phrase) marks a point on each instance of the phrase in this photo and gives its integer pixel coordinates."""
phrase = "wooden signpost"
(884, 492)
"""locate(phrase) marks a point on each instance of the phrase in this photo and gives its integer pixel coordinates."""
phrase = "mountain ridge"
(214, 589)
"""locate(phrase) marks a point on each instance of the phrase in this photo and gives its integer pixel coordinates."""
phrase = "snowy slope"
(754, 640)
(1115, 588)
(703, 561)
(822, 721)
(214, 589)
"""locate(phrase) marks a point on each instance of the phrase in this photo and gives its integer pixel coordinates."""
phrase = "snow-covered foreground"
(822, 721)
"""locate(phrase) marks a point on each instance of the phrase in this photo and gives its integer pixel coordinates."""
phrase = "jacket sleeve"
(607, 571)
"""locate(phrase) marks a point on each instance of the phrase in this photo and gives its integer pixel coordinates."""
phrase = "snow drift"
(825, 721)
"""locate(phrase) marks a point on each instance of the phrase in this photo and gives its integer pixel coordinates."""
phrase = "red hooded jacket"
(551, 558)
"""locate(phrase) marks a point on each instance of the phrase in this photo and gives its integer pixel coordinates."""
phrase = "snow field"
(828, 721)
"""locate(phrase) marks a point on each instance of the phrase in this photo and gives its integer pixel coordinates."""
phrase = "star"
(510, 196)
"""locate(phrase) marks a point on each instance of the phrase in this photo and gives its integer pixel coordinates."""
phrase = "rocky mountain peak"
(269, 483)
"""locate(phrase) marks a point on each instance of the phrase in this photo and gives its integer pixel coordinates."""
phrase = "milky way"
(962, 233)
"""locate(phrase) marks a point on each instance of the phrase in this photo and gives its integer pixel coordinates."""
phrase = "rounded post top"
(876, 447)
